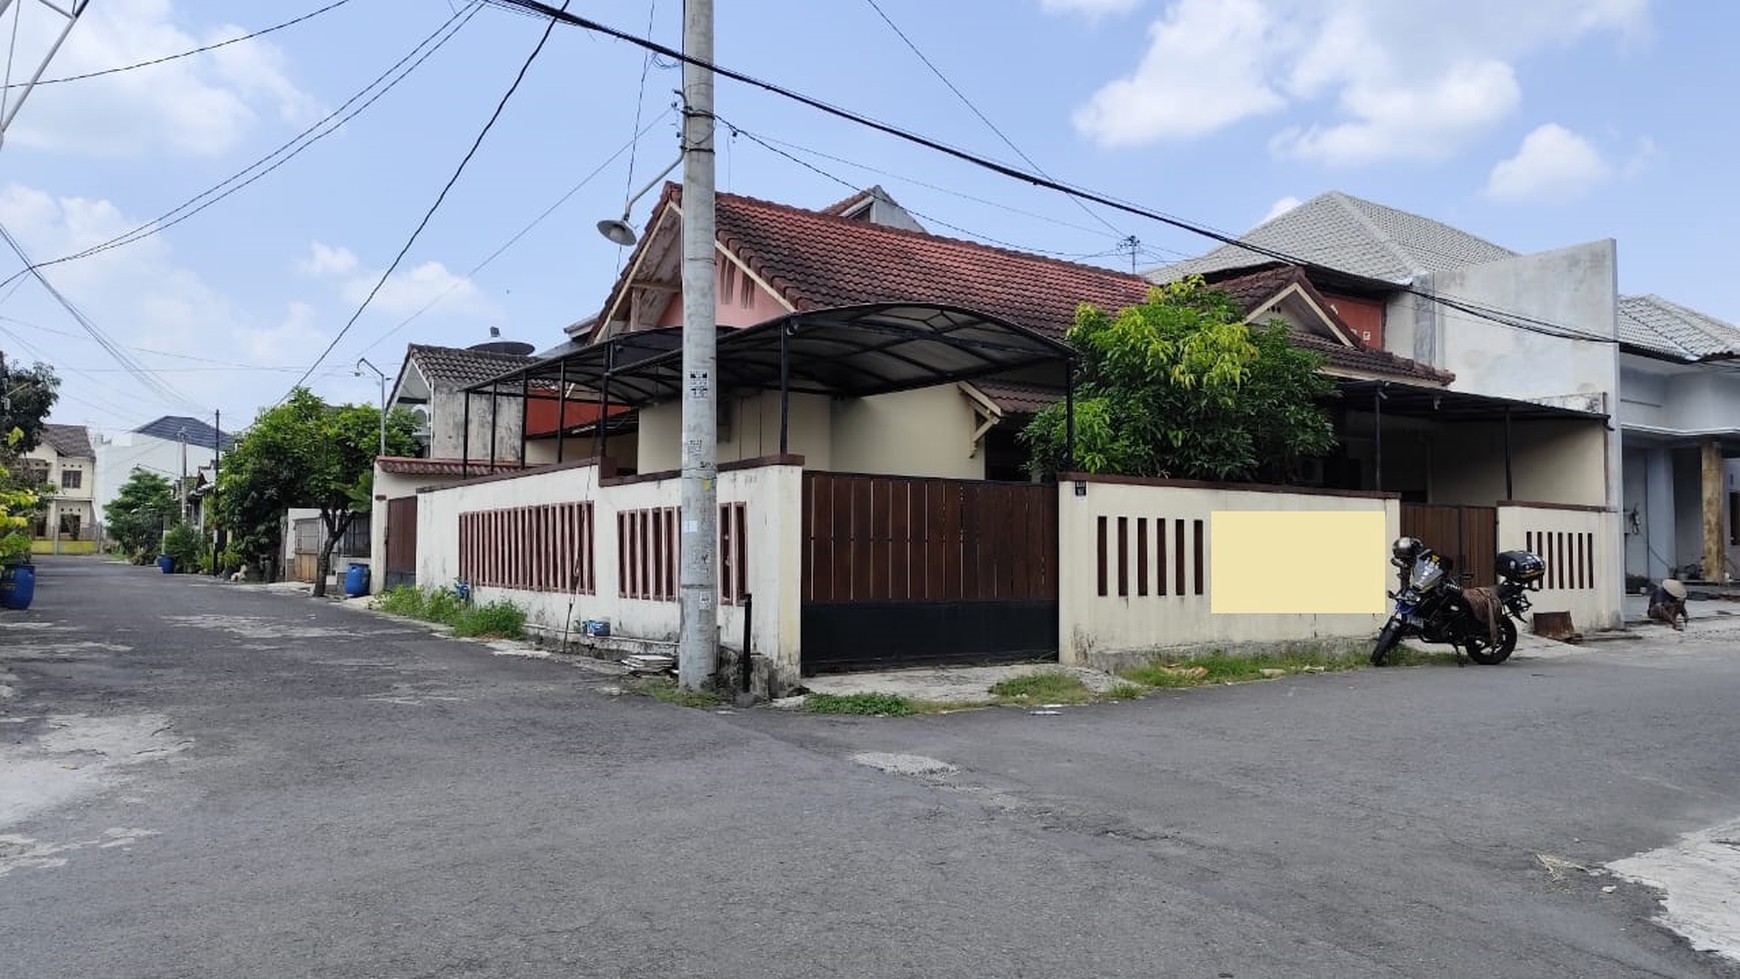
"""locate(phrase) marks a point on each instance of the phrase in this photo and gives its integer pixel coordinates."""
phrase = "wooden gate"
(401, 542)
(1467, 535)
(902, 571)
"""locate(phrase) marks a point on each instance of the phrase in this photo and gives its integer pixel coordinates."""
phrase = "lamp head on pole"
(618, 231)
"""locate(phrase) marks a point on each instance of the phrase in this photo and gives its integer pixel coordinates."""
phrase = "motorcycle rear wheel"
(1481, 650)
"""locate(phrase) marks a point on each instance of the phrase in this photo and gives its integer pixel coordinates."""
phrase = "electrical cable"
(430, 214)
(1090, 212)
(287, 151)
(150, 382)
(522, 232)
(185, 54)
(1507, 318)
(735, 131)
(143, 350)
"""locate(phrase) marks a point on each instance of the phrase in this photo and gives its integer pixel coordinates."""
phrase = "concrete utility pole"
(1715, 569)
(698, 645)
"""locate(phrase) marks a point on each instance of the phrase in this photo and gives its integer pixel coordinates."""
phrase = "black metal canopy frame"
(1442, 405)
(851, 351)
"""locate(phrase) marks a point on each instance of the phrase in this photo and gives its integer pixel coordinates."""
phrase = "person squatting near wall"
(1667, 603)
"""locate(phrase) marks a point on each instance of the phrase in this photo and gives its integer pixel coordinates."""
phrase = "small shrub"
(502, 619)
(443, 606)
(1126, 691)
(890, 704)
(185, 544)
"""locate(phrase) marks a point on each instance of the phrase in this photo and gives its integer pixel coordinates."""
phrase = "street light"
(619, 230)
(360, 364)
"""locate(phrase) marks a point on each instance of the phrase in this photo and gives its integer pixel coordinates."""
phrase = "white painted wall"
(773, 495)
(1091, 626)
(1599, 606)
(119, 454)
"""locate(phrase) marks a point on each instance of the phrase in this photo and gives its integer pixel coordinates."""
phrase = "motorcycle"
(1434, 607)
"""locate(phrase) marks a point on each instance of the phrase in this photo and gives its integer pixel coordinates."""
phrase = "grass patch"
(401, 600)
(1220, 667)
(1046, 687)
(889, 704)
(665, 690)
(503, 620)
(1126, 691)
(498, 619)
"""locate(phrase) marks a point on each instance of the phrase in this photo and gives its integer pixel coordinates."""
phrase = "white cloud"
(1202, 72)
(1093, 9)
(1369, 80)
(141, 297)
(1280, 207)
(202, 105)
(324, 259)
(1424, 122)
(1553, 165)
(407, 292)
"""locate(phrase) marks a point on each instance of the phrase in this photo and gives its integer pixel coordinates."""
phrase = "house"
(1533, 346)
(65, 462)
(1680, 415)
(871, 381)
(173, 446)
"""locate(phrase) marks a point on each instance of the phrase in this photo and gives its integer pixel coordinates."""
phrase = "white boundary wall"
(1578, 546)
(772, 494)
(1095, 629)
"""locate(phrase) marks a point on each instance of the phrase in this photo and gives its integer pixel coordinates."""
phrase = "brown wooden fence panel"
(1468, 535)
(402, 542)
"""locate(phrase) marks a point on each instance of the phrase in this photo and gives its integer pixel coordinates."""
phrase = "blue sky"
(1535, 125)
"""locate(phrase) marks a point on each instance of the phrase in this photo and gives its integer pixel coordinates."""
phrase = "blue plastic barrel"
(19, 587)
(356, 580)
(165, 563)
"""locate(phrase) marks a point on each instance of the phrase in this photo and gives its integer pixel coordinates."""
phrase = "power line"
(522, 232)
(1090, 212)
(288, 151)
(430, 214)
(1503, 317)
(151, 383)
(143, 350)
(185, 54)
(847, 183)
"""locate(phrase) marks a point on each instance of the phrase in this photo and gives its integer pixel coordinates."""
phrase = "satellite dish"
(618, 231)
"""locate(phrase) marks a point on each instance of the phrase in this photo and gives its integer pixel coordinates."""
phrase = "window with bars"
(649, 553)
(548, 547)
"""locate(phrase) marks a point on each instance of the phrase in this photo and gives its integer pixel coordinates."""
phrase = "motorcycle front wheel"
(1481, 649)
(1386, 641)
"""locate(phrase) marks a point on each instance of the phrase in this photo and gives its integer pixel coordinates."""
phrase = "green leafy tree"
(26, 397)
(1180, 386)
(304, 453)
(138, 514)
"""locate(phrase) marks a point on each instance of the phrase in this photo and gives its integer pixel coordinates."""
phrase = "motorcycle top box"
(1521, 566)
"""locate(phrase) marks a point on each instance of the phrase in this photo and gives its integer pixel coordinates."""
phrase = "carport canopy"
(853, 351)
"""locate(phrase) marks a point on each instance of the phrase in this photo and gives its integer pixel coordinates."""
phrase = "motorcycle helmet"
(1405, 550)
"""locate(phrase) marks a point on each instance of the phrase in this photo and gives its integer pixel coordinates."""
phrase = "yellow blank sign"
(1299, 563)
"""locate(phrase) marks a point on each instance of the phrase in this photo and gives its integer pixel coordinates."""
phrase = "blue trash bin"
(17, 586)
(165, 563)
(356, 580)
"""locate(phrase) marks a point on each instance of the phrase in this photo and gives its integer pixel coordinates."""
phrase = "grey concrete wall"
(447, 425)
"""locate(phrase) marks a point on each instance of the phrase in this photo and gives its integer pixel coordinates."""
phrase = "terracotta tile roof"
(72, 441)
(457, 365)
(818, 260)
(402, 466)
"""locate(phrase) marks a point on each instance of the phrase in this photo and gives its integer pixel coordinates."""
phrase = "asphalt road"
(201, 779)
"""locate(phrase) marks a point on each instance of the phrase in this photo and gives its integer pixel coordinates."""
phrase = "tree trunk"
(335, 528)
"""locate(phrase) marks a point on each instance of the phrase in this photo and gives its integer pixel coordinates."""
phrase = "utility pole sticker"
(699, 385)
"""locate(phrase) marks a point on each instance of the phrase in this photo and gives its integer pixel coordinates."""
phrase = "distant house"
(65, 461)
(172, 447)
